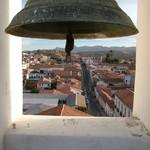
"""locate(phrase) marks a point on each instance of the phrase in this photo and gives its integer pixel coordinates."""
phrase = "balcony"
(62, 133)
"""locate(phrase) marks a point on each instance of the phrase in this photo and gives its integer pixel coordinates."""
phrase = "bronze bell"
(59, 19)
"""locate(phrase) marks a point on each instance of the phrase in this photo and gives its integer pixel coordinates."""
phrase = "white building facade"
(121, 110)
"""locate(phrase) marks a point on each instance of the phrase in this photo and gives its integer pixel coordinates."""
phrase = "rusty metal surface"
(85, 19)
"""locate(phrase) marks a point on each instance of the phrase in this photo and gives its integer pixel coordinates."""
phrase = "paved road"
(92, 105)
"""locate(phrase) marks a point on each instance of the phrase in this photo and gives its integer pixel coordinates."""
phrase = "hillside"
(125, 54)
(93, 51)
(98, 48)
(102, 48)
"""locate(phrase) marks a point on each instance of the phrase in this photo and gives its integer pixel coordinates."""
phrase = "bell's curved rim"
(15, 30)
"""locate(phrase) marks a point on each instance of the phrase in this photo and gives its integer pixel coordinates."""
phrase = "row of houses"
(119, 104)
(40, 70)
(110, 77)
(65, 99)
(113, 85)
(42, 76)
(36, 103)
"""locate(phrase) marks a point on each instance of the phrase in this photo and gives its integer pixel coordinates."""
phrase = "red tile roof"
(68, 90)
(119, 87)
(75, 81)
(105, 89)
(64, 110)
(24, 71)
(126, 96)
(58, 92)
(74, 69)
(52, 92)
(39, 66)
(105, 94)
(42, 91)
(44, 80)
(114, 80)
(30, 82)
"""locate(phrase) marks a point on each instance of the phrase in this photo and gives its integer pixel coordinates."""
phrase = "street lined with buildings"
(88, 84)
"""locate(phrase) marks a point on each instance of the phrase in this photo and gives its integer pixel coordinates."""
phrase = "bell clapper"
(69, 46)
(68, 57)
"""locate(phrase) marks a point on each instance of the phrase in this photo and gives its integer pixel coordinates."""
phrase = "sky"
(128, 6)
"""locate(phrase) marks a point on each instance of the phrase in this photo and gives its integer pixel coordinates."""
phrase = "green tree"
(35, 90)
(116, 61)
(54, 84)
(107, 59)
(111, 54)
(81, 108)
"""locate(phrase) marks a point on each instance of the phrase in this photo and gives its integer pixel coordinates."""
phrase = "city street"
(93, 108)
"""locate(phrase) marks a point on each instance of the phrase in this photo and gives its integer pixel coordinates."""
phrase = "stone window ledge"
(76, 133)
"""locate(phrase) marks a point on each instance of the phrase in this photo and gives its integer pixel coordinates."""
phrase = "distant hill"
(93, 51)
(98, 48)
(124, 54)
(98, 51)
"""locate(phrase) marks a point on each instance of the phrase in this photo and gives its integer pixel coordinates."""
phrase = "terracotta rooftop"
(42, 91)
(68, 90)
(106, 89)
(24, 71)
(101, 71)
(50, 92)
(119, 87)
(44, 80)
(105, 94)
(39, 66)
(31, 81)
(74, 69)
(75, 81)
(64, 90)
(58, 92)
(64, 110)
(80, 100)
(126, 96)
(114, 80)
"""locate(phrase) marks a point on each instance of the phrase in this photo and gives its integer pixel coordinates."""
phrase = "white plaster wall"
(142, 82)
(75, 92)
(117, 102)
(9, 86)
(43, 86)
(132, 80)
(96, 93)
(127, 79)
(109, 111)
(101, 83)
(74, 133)
(15, 65)
(5, 113)
(124, 110)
